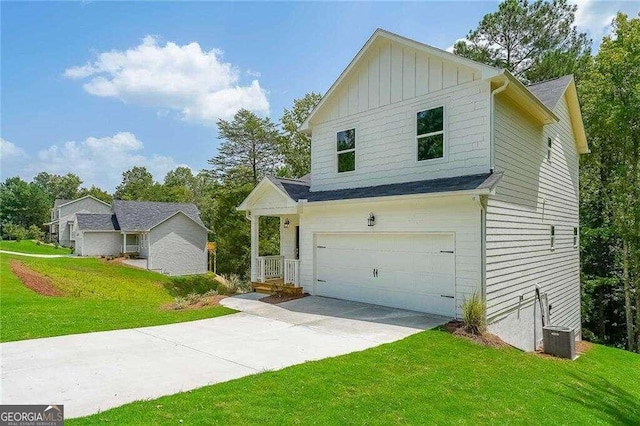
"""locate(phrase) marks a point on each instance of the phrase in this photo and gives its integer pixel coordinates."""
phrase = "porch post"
(255, 243)
(124, 242)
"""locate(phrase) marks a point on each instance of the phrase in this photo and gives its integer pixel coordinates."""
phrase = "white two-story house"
(434, 177)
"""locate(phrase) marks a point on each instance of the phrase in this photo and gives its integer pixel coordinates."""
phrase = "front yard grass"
(429, 378)
(98, 296)
(29, 246)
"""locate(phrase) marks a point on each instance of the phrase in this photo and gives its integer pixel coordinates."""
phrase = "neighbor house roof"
(549, 92)
(59, 202)
(97, 222)
(298, 190)
(144, 215)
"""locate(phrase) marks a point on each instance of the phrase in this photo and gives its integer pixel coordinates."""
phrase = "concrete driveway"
(96, 371)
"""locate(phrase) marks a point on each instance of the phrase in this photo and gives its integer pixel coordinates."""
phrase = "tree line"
(536, 41)
(251, 148)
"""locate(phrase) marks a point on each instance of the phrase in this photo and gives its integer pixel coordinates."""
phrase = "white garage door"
(408, 271)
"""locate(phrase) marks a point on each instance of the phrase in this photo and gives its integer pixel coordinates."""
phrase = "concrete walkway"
(96, 371)
(37, 255)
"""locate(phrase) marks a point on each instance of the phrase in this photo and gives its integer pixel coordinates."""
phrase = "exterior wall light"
(372, 220)
(286, 223)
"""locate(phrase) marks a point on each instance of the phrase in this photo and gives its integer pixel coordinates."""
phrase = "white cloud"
(97, 161)
(10, 151)
(594, 17)
(196, 83)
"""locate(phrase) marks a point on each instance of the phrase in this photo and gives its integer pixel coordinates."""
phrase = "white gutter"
(492, 160)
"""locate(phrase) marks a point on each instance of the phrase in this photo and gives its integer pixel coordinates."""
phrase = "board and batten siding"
(458, 215)
(533, 195)
(99, 243)
(178, 247)
(380, 99)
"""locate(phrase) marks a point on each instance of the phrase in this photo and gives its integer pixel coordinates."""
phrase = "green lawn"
(429, 378)
(99, 295)
(29, 246)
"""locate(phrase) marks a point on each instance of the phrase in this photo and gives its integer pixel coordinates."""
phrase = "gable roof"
(481, 183)
(97, 222)
(549, 92)
(485, 70)
(60, 202)
(144, 215)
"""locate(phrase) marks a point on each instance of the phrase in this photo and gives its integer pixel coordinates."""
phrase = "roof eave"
(526, 99)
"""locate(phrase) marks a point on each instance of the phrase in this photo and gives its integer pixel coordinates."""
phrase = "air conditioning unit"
(559, 341)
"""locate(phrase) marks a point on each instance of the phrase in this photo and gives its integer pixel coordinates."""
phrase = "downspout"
(483, 249)
(492, 155)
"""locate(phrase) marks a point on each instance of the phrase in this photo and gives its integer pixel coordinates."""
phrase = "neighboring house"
(170, 236)
(63, 216)
(434, 177)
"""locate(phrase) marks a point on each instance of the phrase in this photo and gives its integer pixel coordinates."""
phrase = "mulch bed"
(33, 280)
(203, 302)
(277, 298)
(456, 328)
(581, 348)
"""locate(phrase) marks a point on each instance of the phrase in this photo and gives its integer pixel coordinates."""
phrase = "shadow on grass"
(612, 403)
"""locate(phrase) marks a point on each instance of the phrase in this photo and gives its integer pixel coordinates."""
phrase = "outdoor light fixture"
(372, 220)
(286, 223)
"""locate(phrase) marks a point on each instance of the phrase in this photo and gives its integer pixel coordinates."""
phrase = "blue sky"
(95, 88)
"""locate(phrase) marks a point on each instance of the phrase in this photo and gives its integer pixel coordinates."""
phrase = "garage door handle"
(446, 251)
(321, 281)
(448, 297)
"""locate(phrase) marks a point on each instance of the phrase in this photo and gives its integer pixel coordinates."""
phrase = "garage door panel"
(412, 270)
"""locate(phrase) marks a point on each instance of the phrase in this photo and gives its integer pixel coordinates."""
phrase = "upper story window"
(346, 148)
(549, 149)
(553, 237)
(430, 134)
(575, 236)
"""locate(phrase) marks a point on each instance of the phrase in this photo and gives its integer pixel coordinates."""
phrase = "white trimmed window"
(575, 236)
(430, 133)
(553, 237)
(549, 149)
(346, 150)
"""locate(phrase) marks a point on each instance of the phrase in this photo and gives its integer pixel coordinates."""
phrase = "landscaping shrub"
(234, 285)
(35, 233)
(473, 315)
(193, 284)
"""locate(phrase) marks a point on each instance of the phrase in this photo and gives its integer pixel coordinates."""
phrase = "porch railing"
(269, 267)
(292, 272)
(131, 248)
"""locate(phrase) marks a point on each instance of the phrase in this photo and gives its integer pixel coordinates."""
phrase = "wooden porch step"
(279, 287)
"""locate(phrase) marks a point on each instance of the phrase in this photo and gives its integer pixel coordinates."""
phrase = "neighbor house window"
(430, 134)
(575, 236)
(346, 148)
(553, 237)
(549, 149)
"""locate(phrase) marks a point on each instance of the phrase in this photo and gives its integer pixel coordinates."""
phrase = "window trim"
(443, 131)
(576, 237)
(354, 150)
(552, 236)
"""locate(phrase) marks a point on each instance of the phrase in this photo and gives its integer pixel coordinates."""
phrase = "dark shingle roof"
(549, 92)
(299, 190)
(97, 222)
(144, 215)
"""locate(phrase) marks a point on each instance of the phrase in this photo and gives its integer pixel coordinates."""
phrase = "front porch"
(275, 274)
